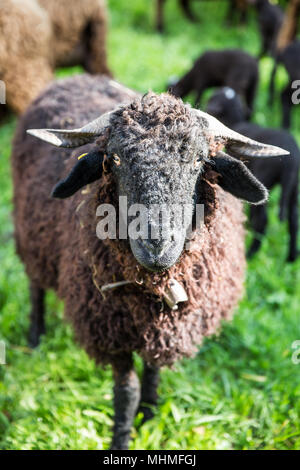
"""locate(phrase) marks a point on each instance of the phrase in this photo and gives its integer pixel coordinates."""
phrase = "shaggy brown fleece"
(57, 242)
(38, 35)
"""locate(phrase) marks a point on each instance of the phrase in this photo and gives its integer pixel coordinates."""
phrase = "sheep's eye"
(116, 159)
(198, 161)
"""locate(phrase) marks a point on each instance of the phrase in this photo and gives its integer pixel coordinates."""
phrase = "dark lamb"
(231, 67)
(154, 149)
(226, 106)
(270, 20)
(290, 58)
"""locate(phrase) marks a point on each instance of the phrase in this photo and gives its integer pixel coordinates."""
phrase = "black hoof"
(147, 412)
(292, 258)
(34, 338)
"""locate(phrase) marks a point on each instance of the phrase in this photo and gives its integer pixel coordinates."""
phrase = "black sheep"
(290, 58)
(226, 106)
(126, 294)
(270, 19)
(230, 67)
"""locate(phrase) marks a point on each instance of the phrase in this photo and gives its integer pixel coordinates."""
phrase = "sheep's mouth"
(157, 256)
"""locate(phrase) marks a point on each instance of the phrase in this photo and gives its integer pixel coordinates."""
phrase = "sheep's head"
(157, 148)
(226, 105)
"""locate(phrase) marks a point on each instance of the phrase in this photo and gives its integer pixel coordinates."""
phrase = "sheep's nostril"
(157, 247)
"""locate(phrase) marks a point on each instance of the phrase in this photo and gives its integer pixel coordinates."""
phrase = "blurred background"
(242, 391)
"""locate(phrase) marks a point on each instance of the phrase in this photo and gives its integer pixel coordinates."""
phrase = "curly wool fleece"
(57, 239)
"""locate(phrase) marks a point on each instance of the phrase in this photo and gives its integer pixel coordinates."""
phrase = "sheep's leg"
(149, 394)
(185, 5)
(264, 48)
(258, 221)
(160, 16)
(272, 83)
(200, 90)
(95, 57)
(286, 101)
(250, 95)
(293, 224)
(4, 112)
(230, 12)
(37, 316)
(243, 16)
(287, 188)
(126, 400)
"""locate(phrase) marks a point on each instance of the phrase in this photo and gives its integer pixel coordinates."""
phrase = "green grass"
(242, 391)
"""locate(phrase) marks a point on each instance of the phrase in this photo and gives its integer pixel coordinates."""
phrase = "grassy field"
(242, 391)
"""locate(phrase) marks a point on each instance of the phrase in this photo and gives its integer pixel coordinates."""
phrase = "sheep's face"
(157, 152)
(227, 106)
(157, 147)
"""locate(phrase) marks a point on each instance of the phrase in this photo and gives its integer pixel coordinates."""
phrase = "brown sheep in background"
(154, 149)
(36, 36)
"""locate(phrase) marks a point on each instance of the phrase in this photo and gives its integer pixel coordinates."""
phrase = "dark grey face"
(162, 176)
(157, 147)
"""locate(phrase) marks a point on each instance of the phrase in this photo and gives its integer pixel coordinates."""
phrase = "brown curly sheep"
(153, 149)
(36, 36)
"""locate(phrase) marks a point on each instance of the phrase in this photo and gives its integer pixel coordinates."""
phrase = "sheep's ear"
(87, 170)
(236, 179)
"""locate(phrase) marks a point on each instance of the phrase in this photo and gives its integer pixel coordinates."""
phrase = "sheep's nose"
(156, 255)
(157, 247)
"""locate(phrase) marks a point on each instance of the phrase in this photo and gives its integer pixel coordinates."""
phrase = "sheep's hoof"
(118, 448)
(4, 113)
(119, 445)
(250, 254)
(292, 257)
(147, 412)
(34, 338)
